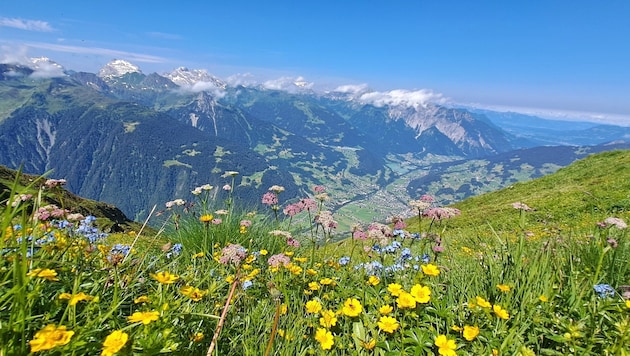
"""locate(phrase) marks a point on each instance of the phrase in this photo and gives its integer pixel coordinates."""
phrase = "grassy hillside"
(574, 197)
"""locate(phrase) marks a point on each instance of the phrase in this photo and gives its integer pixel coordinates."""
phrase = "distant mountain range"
(137, 140)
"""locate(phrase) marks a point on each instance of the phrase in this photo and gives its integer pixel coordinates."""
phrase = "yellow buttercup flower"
(76, 298)
(385, 309)
(325, 338)
(328, 319)
(503, 287)
(388, 324)
(50, 337)
(114, 342)
(394, 289)
(430, 270)
(143, 317)
(206, 218)
(406, 300)
(46, 273)
(422, 294)
(141, 299)
(543, 298)
(470, 332)
(327, 281)
(369, 345)
(446, 346)
(196, 337)
(483, 303)
(352, 307)
(313, 286)
(500, 312)
(373, 280)
(165, 277)
(313, 306)
(193, 293)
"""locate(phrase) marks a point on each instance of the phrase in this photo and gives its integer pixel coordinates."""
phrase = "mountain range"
(137, 140)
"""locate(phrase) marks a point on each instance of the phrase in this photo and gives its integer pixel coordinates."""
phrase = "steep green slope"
(576, 196)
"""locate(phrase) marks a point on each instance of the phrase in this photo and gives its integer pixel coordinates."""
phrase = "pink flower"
(292, 209)
(270, 198)
(521, 206)
(216, 221)
(227, 187)
(279, 259)
(246, 223)
(359, 235)
(319, 189)
(308, 204)
(293, 242)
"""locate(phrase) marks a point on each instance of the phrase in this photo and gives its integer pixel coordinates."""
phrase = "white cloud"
(402, 97)
(290, 84)
(27, 25)
(244, 79)
(14, 55)
(112, 53)
(352, 89)
(46, 69)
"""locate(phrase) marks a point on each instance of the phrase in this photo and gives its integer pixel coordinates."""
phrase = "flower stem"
(215, 337)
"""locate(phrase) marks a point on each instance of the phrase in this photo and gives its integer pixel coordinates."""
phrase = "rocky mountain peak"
(185, 77)
(118, 68)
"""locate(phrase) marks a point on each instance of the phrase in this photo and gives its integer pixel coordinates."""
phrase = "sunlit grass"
(546, 276)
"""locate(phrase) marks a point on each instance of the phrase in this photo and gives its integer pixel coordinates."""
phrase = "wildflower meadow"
(217, 278)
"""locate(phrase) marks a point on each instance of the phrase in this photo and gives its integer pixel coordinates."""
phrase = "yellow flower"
(422, 294)
(483, 303)
(114, 342)
(313, 286)
(76, 298)
(446, 346)
(628, 303)
(311, 272)
(430, 270)
(283, 309)
(143, 317)
(198, 255)
(141, 299)
(385, 309)
(164, 277)
(543, 298)
(369, 345)
(327, 281)
(294, 269)
(196, 337)
(264, 252)
(470, 332)
(406, 300)
(49, 337)
(313, 306)
(352, 307)
(394, 289)
(206, 218)
(325, 338)
(373, 280)
(300, 259)
(503, 287)
(193, 293)
(46, 273)
(328, 319)
(242, 229)
(388, 324)
(500, 312)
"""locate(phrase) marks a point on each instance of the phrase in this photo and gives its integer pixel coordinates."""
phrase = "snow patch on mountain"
(118, 68)
(195, 80)
(43, 67)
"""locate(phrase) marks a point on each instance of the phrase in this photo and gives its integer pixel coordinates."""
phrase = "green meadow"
(538, 268)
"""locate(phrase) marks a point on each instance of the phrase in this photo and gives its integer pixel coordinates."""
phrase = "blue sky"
(566, 57)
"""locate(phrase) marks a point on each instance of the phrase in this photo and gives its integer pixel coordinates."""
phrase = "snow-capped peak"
(188, 78)
(44, 67)
(117, 68)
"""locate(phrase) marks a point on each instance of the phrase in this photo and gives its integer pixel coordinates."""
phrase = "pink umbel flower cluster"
(18, 198)
(270, 198)
(325, 219)
(279, 259)
(441, 213)
(521, 206)
(296, 208)
(50, 211)
(233, 253)
(616, 222)
(52, 183)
